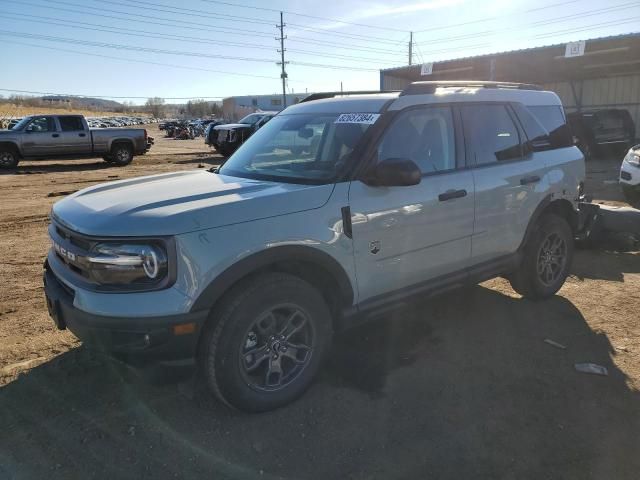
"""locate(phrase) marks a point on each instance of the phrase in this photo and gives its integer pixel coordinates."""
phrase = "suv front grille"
(71, 249)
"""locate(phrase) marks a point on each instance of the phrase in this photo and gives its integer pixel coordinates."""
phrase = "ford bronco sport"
(340, 208)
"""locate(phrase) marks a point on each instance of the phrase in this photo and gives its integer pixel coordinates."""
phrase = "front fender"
(272, 256)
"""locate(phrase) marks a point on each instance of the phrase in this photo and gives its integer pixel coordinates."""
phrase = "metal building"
(592, 74)
(234, 108)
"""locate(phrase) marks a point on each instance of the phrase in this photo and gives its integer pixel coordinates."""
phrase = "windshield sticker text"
(359, 118)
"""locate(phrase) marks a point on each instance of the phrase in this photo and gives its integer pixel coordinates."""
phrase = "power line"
(303, 27)
(75, 41)
(146, 17)
(226, 30)
(149, 19)
(145, 62)
(305, 15)
(540, 23)
(181, 11)
(164, 36)
(497, 17)
(103, 96)
(589, 27)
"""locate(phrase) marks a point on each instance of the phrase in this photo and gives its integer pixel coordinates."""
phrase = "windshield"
(21, 124)
(251, 119)
(299, 148)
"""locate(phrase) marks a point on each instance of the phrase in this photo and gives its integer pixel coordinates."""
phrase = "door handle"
(55, 135)
(451, 194)
(530, 179)
(82, 134)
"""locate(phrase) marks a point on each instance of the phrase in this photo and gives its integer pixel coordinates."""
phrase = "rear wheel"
(547, 259)
(632, 195)
(121, 154)
(268, 343)
(8, 157)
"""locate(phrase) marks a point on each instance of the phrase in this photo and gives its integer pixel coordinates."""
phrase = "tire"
(121, 154)
(271, 322)
(8, 157)
(550, 249)
(225, 151)
(107, 159)
(632, 195)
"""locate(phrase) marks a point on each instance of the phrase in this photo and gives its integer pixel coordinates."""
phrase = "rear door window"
(490, 134)
(71, 124)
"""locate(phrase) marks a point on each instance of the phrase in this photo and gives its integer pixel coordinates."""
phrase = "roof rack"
(422, 88)
(323, 95)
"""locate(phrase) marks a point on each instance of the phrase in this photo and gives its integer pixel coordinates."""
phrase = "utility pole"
(283, 75)
(410, 48)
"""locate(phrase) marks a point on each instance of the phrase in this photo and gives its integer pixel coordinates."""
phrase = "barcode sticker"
(359, 118)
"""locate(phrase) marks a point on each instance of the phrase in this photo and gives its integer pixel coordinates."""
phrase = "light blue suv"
(339, 209)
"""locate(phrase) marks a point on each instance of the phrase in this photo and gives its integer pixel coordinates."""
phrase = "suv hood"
(229, 126)
(180, 202)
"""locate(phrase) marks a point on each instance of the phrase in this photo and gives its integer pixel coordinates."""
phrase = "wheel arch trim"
(271, 257)
(547, 204)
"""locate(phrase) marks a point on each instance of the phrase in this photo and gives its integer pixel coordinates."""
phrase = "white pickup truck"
(69, 137)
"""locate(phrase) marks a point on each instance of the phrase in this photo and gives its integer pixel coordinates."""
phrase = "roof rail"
(320, 96)
(422, 88)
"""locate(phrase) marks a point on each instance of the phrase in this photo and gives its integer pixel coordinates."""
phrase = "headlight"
(633, 158)
(129, 264)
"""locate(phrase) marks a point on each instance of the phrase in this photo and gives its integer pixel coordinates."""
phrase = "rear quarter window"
(545, 125)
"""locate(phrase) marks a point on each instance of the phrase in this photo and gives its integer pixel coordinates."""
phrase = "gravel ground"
(461, 387)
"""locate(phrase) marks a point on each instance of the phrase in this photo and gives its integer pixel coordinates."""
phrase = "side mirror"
(394, 172)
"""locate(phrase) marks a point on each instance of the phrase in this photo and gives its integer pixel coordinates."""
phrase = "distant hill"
(83, 102)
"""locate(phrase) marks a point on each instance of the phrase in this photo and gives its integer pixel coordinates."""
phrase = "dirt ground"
(461, 387)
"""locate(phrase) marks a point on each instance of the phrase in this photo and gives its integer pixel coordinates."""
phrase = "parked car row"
(111, 122)
(93, 122)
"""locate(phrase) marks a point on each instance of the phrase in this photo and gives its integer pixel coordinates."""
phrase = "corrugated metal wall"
(389, 82)
(614, 92)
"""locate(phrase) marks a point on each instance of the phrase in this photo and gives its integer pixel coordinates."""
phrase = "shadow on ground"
(34, 168)
(463, 387)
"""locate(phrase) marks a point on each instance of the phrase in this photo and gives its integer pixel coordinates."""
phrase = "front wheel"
(267, 343)
(548, 255)
(8, 157)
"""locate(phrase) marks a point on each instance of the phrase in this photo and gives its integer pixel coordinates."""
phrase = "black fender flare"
(547, 202)
(264, 259)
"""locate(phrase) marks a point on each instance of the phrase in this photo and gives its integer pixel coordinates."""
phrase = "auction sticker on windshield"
(359, 118)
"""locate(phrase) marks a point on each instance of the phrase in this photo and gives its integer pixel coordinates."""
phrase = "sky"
(135, 49)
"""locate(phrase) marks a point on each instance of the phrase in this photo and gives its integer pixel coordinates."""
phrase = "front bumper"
(629, 175)
(149, 337)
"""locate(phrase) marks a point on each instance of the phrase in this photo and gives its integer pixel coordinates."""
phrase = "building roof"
(606, 56)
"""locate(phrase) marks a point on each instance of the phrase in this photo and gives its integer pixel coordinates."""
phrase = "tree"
(155, 106)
